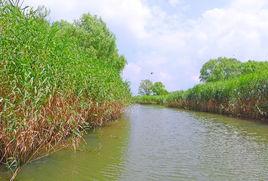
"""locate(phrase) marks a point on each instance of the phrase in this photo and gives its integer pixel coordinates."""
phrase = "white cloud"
(174, 2)
(249, 5)
(238, 30)
(174, 48)
(232, 32)
(131, 15)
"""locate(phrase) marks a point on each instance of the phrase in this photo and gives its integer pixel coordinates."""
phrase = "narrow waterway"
(156, 143)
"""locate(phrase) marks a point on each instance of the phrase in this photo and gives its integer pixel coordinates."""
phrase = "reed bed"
(245, 96)
(57, 79)
(147, 99)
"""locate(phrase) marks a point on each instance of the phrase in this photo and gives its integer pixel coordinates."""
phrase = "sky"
(174, 38)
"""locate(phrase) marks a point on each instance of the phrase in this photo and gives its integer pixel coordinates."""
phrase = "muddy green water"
(156, 143)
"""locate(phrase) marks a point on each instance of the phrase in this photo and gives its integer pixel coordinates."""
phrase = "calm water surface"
(155, 143)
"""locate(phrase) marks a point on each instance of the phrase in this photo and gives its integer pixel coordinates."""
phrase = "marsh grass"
(57, 79)
(245, 96)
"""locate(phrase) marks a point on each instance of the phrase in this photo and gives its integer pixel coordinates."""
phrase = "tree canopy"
(92, 36)
(147, 87)
(159, 88)
(220, 69)
(224, 68)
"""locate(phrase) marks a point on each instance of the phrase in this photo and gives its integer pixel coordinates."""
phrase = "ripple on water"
(156, 143)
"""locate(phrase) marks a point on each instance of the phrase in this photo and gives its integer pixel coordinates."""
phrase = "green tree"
(252, 66)
(220, 69)
(101, 39)
(159, 88)
(146, 87)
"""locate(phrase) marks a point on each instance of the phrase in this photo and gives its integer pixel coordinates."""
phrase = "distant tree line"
(147, 87)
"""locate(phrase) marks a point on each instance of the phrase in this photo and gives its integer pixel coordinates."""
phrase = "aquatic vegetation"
(56, 80)
(147, 99)
(244, 96)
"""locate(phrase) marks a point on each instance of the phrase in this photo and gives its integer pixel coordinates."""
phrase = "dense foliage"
(147, 87)
(224, 68)
(219, 69)
(56, 79)
(159, 89)
(150, 99)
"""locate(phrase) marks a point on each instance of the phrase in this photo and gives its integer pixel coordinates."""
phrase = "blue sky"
(174, 38)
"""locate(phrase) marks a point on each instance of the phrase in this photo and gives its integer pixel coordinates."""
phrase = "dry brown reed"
(61, 122)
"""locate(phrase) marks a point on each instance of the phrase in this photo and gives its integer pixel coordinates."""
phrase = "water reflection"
(169, 144)
(101, 158)
(156, 143)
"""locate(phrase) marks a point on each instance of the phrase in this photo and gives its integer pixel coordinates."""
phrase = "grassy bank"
(57, 79)
(245, 96)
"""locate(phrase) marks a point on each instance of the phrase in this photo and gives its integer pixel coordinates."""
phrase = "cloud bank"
(160, 36)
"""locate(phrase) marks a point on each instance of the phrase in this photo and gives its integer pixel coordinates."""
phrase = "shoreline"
(260, 120)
